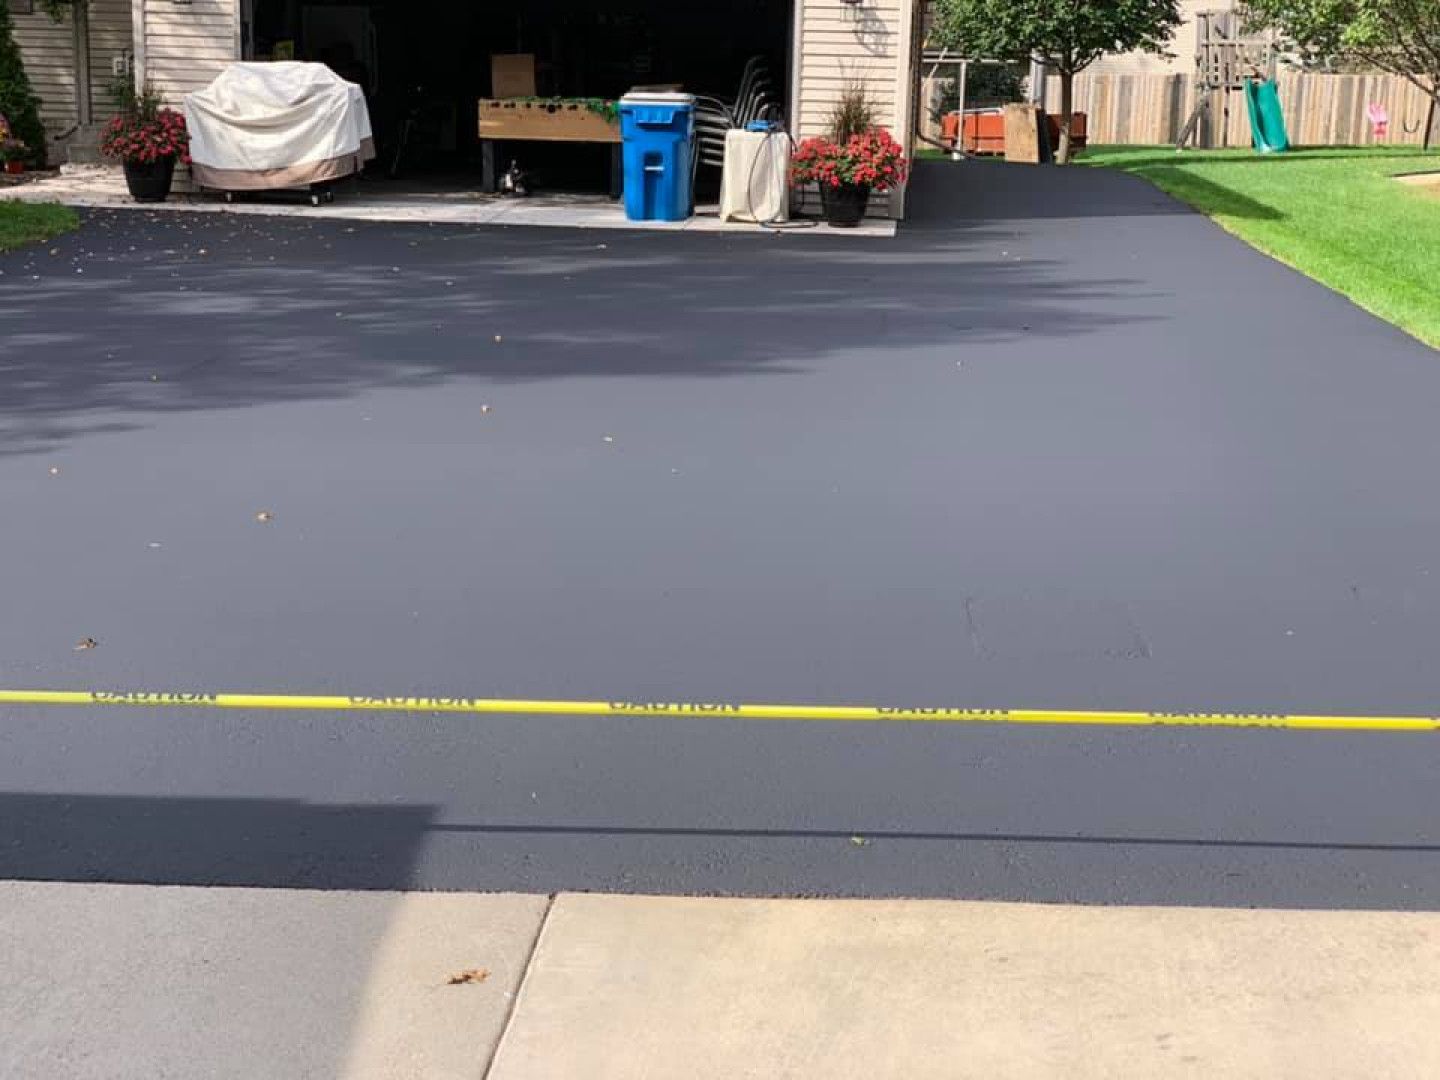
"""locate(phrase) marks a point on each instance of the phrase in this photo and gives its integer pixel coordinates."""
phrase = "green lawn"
(25, 223)
(1334, 214)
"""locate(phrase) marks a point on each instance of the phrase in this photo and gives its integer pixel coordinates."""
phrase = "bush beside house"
(18, 103)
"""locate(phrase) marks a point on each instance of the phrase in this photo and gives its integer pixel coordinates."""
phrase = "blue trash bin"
(658, 132)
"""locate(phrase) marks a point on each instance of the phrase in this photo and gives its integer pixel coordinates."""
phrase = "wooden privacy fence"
(1320, 109)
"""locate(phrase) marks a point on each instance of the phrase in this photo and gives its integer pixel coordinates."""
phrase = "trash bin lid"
(656, 97)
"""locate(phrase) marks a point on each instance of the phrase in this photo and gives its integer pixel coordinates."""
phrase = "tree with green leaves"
(1398, 36)
(18, 103)
(1065, 35)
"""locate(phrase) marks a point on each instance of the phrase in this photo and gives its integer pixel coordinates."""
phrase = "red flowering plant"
(143, 131)
(871, 159)
(135, 138)
(11, 147)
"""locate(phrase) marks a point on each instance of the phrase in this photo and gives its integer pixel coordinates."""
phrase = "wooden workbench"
(545, 121)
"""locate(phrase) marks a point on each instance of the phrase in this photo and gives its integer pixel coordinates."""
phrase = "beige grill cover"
(265, 125)
(755, 183)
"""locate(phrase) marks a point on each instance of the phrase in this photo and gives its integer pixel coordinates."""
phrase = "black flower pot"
(844, 206)
(149, 181)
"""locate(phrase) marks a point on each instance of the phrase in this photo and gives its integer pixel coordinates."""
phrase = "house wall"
(873, 43)
(47, 49)
(184, 46)
(111, 40)
(842, 43)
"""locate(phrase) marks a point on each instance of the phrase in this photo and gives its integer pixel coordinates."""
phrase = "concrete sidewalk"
(138, 981)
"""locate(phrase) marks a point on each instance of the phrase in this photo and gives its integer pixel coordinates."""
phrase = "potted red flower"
(148, 140)
(13, 151)
(847, 172)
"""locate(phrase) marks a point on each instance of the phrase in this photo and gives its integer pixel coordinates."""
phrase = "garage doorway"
(425, 65)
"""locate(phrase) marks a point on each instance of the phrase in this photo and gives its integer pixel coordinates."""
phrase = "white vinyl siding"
(47, 49)
(187, 45)
(111, 40)
(872, 45)
(843, 43)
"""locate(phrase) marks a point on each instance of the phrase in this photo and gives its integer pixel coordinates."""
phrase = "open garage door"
(427, 64)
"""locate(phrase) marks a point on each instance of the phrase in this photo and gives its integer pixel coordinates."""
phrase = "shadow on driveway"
(289, 843)
(148, 313)
(264, 843)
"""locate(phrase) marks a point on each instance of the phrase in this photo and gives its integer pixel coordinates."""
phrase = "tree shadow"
(1209, 196)
(141, 314)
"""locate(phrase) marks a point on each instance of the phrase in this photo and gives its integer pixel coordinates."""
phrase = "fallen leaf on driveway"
(859, 841)
(86, 643)
(470, 975)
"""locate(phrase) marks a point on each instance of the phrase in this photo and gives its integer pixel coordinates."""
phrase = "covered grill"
(266, 126)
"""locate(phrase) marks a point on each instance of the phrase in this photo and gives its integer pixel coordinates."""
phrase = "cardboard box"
(512, 75)
(1023, 134)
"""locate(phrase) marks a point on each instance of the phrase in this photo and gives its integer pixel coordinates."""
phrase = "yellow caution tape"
(735, 710)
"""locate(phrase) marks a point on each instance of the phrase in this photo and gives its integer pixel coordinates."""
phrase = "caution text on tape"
(714, 709)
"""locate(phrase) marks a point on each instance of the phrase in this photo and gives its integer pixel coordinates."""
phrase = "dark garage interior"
(426, 64)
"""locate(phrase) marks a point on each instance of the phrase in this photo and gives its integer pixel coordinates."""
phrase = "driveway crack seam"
(519, 988)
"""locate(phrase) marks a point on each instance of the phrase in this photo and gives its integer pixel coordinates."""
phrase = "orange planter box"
(985, 132)
(1077, 130)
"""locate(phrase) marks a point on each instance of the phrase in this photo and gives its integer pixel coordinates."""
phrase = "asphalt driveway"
(1063, 443)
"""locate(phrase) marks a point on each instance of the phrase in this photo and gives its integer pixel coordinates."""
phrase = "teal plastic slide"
(1267, 121)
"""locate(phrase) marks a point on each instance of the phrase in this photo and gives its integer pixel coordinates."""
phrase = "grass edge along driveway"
(1335, 214)
(27, 223)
